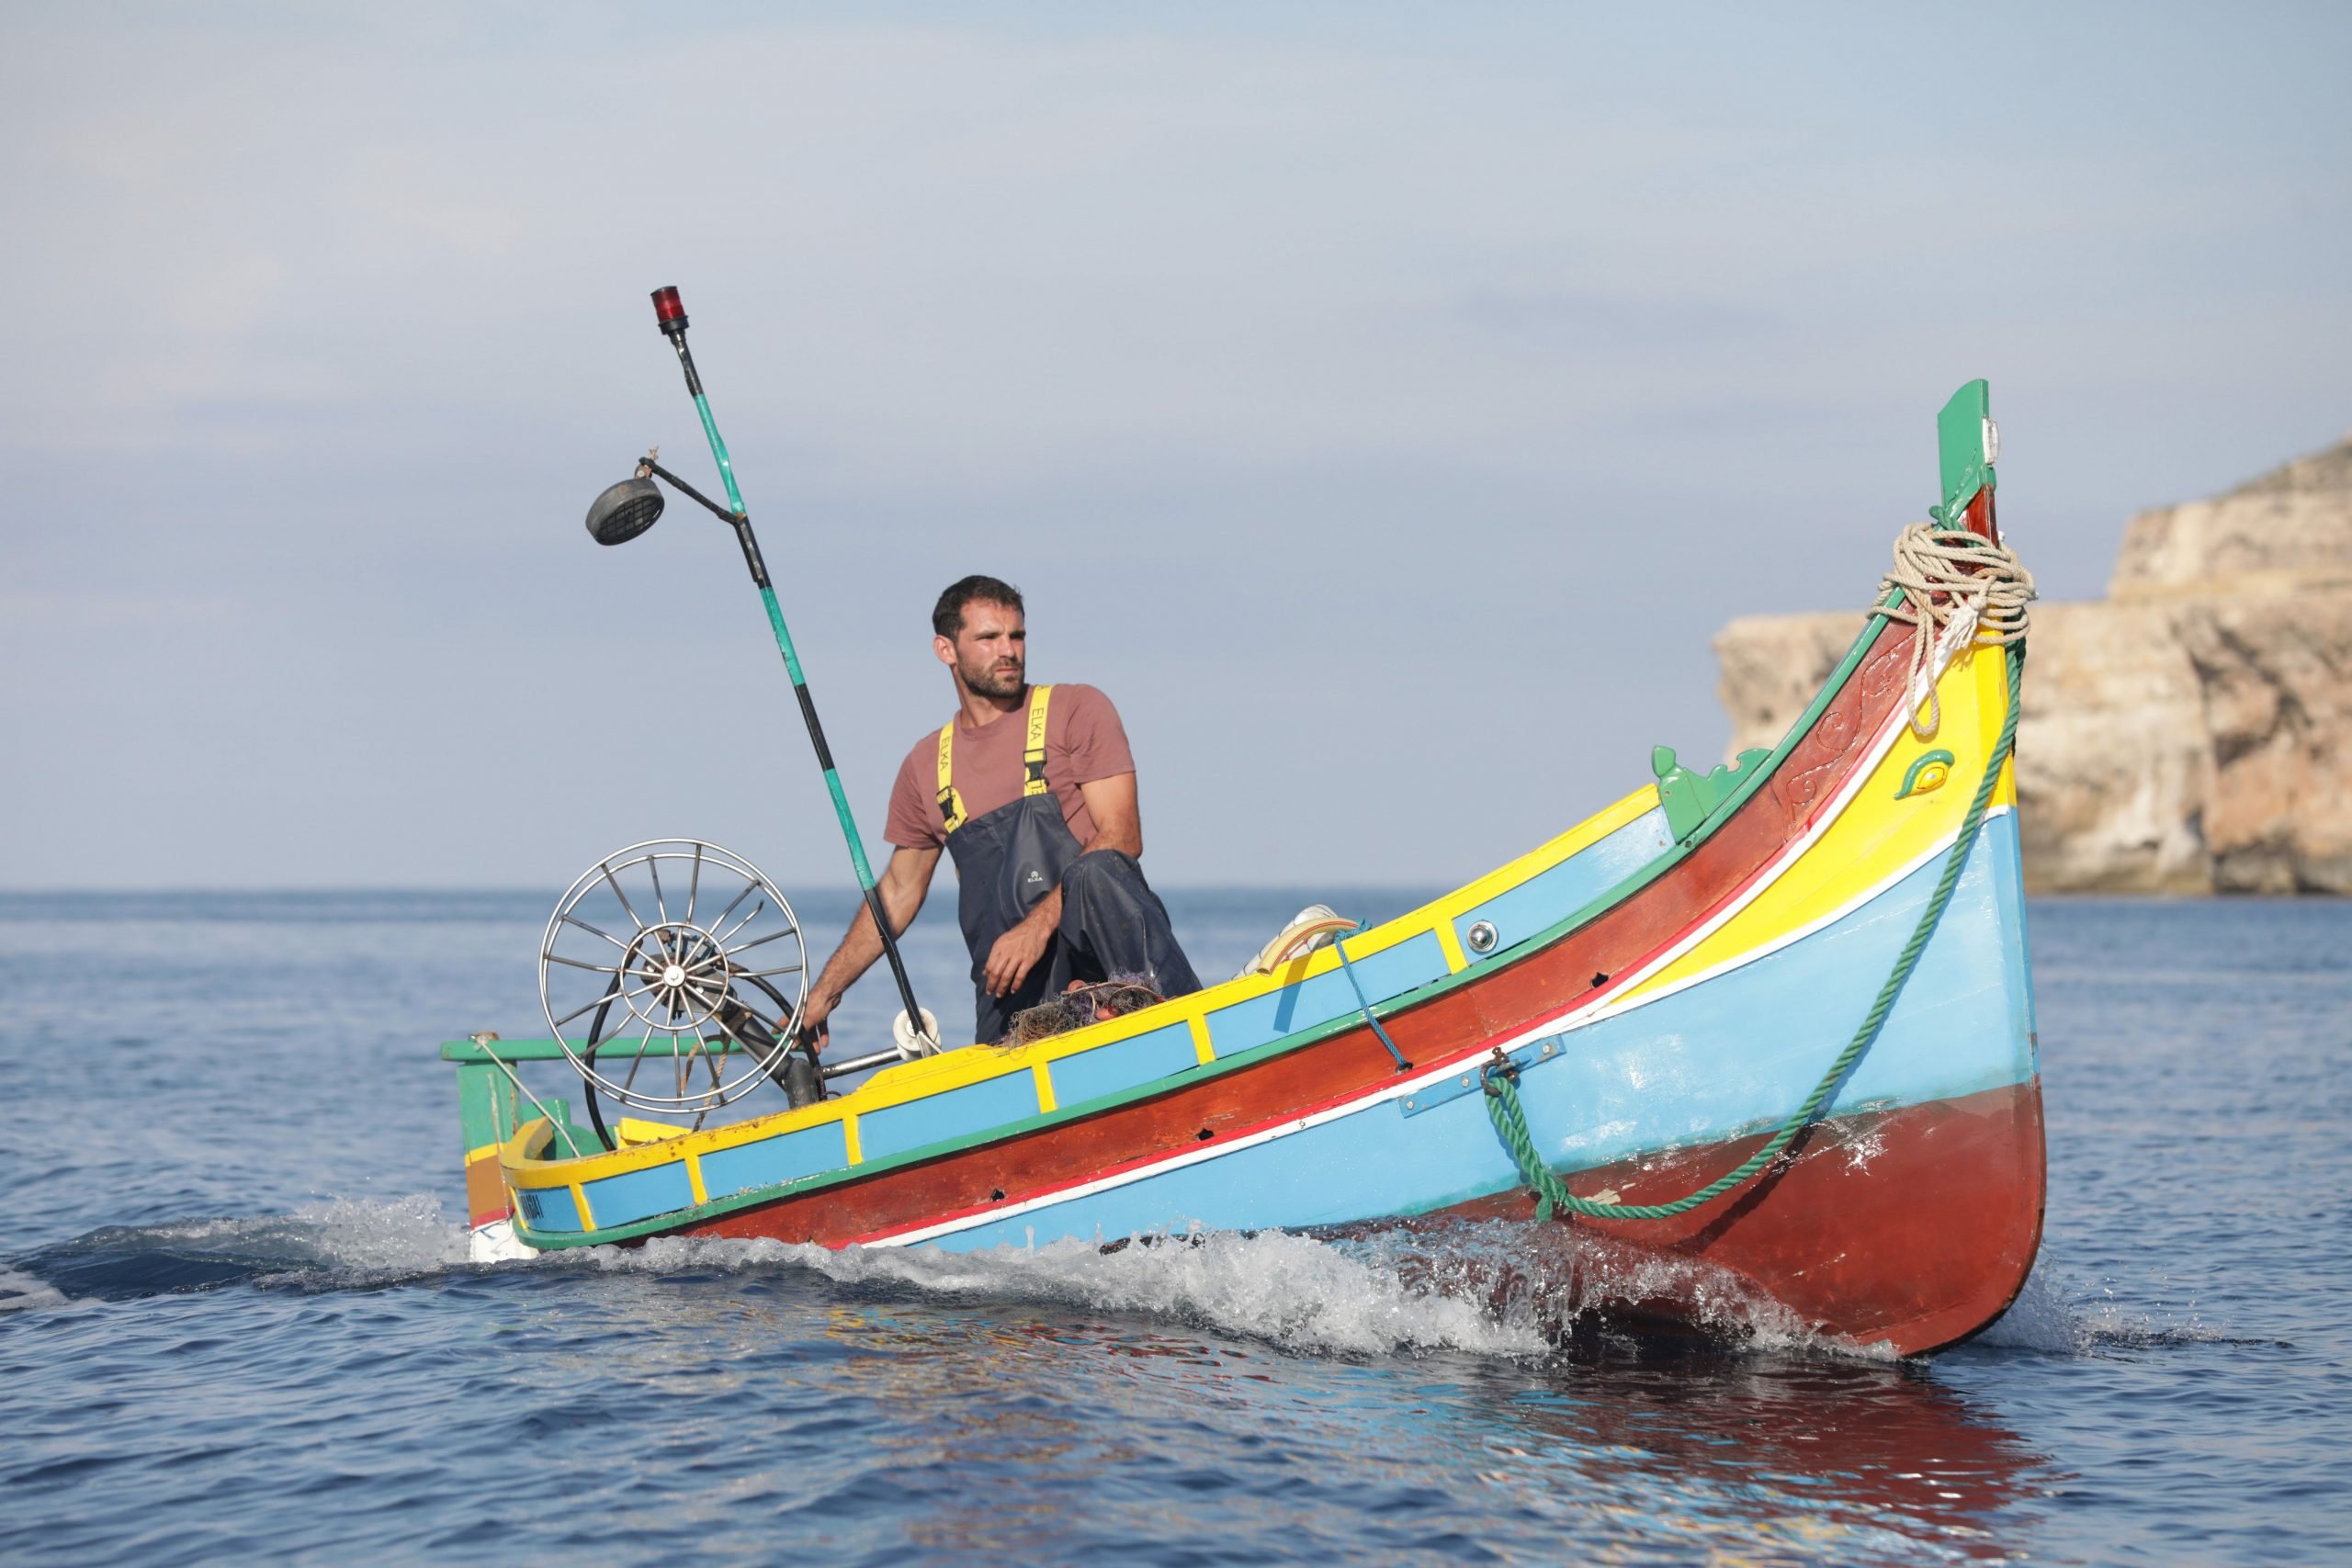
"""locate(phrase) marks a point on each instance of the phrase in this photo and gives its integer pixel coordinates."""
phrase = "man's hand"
(1017, 951)
(904, 882)
(813, 1013)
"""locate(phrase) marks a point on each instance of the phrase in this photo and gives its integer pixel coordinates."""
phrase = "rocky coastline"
(2191, 732)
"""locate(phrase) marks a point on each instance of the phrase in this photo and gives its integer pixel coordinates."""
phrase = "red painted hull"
(1907, 1230)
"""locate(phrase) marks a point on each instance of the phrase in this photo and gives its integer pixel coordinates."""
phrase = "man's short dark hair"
(947, 615)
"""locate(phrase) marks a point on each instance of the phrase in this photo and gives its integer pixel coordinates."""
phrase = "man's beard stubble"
(985, 680)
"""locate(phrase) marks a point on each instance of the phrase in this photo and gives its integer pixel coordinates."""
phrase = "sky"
(1384, 405)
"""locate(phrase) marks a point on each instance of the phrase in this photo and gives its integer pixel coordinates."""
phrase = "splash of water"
(2055, 1316)
(2040, 1319)
(1489, 1288)
(1570, 1280)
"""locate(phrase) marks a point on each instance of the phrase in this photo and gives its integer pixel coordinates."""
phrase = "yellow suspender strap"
(1032, 760)
(950, 805)
(1033, 755)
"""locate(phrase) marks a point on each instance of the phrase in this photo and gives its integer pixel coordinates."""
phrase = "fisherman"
(1031, 790)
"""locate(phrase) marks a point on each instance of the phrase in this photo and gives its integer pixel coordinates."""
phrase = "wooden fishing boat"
(1772, 1020)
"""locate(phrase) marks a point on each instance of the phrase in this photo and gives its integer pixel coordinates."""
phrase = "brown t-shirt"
(1084, 741)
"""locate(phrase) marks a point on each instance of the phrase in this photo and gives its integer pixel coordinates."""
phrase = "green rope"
(1501, 1080)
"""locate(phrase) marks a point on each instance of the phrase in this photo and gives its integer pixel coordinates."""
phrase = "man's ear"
(944, 649)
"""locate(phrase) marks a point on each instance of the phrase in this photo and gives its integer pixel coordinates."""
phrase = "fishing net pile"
(1079, 1006)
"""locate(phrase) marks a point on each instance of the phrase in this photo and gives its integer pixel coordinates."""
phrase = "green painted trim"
(1185, 1079)
(1960, 450)
(1920, 764)
(1687, 797)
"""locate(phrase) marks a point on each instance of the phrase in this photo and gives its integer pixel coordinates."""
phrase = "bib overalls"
(1113, 924)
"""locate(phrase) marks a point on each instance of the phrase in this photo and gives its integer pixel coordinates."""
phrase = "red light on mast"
(670, 310)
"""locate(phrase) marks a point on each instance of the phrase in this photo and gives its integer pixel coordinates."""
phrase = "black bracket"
(646, 465)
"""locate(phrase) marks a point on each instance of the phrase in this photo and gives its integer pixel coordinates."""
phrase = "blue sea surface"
(236, 1320)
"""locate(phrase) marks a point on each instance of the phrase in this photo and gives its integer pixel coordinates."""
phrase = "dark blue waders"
(1112, 923)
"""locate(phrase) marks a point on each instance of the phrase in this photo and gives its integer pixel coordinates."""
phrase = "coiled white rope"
(1947, 574)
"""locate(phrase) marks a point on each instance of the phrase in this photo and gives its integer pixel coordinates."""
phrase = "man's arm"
(1118, 825)
(904, 882)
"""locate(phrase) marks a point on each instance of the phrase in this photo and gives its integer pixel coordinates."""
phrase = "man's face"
(991, 650)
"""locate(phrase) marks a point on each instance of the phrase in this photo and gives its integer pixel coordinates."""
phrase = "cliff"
(2190, 733)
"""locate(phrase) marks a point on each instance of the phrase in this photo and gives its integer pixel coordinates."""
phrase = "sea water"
(236, 1320)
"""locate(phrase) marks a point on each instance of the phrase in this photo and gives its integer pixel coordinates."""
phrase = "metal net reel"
(673, 974)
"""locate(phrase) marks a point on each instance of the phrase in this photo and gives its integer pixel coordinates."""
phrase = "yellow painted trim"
(902, 1081)
(1449, 942)
(645, 1157)
(1991, 706)
(1045, 1086)
(928, 1076)
(580, 1196)
(523, 1149)
(488, 1151)
(694, 1180)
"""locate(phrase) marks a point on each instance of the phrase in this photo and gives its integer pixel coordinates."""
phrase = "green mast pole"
(672, 314)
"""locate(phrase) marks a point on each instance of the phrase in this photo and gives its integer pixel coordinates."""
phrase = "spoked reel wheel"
(673, 974)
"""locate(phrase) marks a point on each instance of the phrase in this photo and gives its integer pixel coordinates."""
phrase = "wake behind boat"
(1768, 1027)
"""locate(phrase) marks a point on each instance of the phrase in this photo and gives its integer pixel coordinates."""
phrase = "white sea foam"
(408, 1234)
(1497, 1289)
(1295, 1292)
(24, 1292)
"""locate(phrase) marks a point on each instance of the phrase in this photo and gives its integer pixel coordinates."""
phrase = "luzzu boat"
(1773, 1021)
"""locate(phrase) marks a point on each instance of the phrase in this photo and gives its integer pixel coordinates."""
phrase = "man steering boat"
(1032, 791)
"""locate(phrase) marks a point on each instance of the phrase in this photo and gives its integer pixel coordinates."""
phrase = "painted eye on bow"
(1928, 772)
